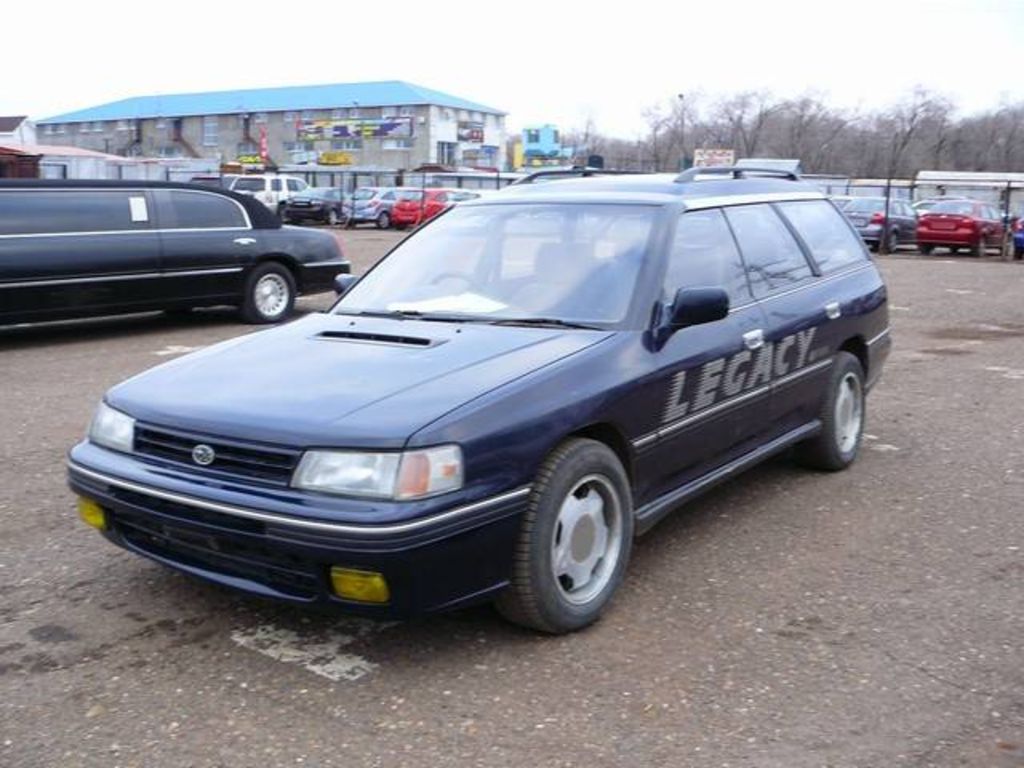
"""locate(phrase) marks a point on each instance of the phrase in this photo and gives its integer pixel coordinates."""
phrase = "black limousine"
(87, 248)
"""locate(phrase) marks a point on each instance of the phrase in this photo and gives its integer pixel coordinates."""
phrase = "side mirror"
(343, 282)
(696, 306)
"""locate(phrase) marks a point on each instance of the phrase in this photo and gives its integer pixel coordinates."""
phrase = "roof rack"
(734, 172)
(576, 172)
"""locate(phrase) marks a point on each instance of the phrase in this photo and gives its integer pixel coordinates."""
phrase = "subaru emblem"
(203, 455)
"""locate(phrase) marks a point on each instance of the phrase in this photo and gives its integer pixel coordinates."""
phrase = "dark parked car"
(957, 224)
(498, 407)
(321, 204)
(867, 214)
(79, 248)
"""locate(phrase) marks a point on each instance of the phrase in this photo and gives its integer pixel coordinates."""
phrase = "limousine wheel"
(574, 542)
(842, 418)
(269, 294)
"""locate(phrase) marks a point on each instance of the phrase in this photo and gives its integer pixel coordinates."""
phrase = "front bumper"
(268, 544)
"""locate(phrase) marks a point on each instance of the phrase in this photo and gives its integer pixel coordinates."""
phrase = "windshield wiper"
(552, 322)
(415, 314)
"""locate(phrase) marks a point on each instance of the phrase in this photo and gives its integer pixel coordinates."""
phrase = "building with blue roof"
(389, 124)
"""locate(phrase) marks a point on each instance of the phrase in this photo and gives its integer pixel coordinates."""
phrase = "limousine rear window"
(56, 211)
(198, 210)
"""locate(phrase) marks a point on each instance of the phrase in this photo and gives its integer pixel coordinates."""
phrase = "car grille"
(244, 557)
(270, 465)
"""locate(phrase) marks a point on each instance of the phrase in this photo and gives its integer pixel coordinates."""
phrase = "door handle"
(245, 241)
(753, 339)
(832, 310)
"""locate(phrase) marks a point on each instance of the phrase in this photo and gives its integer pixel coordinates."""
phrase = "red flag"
(263, 144)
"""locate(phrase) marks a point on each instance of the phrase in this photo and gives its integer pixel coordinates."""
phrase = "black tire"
(383, 220)
(978, 248)
(832, 449)
(926, 249)
(953, 250)
(1018, 252)
(258, 306)
(892, 241)
(333, 219)
(280, 211)
(536, 597)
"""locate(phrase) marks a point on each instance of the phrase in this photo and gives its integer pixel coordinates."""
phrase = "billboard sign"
(355, 128)
(470, 132)
(710, 158)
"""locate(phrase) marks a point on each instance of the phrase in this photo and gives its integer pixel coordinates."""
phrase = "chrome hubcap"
(271, 295)
(849, 413)
(587, 539)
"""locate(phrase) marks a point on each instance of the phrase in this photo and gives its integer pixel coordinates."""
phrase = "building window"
(478, 117)
(532, 136)
(337, 114)
(124, 125)
(407, 111)
(289, 117)
(161, 124)
(463, 114)
(49, 130)
(248, 148)
(354, 112)
(210, 125)
(446, 114)
(260, 117)
(396, 144)
(347, 144)
(99, 126)
(170, 151)
(298, 146)
(307, 115)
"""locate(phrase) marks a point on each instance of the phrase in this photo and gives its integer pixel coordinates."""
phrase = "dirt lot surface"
(873, 617)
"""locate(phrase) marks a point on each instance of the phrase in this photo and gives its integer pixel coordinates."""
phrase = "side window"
(293, 185)
(389, 195)
(275, 185)
(833, 244)
(27, 211)
(442, 197)
(196, 210)
(773, 257)
(704, 255)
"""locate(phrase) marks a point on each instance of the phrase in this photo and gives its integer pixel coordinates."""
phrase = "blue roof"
(388, 93)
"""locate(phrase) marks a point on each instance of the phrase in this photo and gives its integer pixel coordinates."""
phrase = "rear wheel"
(333, 219)
(841, 416)
(926, 249)
(574, 541)
(892, 241)
(269, 294)
(384, 220)
(978, 248)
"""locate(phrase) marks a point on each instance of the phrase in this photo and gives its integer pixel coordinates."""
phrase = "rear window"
(33, 211)
(410, 194)
(951, 206)
(833, 244)
(195, 210)
(864, 205)
(248, 185)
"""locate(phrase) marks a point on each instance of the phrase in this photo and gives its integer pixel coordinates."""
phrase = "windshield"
(320, 193)
(410, 194)
(570, 263)
(864, 205)
(949, 206)
(248, 185)
(364, 193)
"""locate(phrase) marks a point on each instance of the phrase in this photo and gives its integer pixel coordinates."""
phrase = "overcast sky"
(556, 62)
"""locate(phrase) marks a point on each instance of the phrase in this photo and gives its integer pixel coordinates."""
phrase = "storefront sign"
(335, 157)
(710, 158)
(471, 132)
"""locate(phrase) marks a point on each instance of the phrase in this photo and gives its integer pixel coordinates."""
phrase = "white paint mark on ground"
(897, 308)
(870, 437)
(882, 447)
(175, 349)
(319, 652)
(1013, 374)
(959, 291)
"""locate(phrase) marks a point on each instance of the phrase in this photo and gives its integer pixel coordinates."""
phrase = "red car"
(417, 206)
(958, 224)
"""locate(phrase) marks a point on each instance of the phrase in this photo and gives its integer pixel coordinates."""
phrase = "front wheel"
(841, 416)
(926, 249)
(333, 219)
(384, 220)
(978, 248)
(269, 294)
(574, 541)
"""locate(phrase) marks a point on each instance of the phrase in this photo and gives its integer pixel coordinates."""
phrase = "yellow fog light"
(361, 586)
(92, 513)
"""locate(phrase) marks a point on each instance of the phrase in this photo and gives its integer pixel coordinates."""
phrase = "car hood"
(339, 380)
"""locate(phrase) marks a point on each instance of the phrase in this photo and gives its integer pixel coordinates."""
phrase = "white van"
(271, 190)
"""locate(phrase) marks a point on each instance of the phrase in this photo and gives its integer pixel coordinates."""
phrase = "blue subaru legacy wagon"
(505, 401)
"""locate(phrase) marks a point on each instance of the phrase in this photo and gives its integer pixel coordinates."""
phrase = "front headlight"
(112, 429)
(409, 475)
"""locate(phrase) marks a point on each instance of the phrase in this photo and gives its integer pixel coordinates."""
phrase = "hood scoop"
(378, 338)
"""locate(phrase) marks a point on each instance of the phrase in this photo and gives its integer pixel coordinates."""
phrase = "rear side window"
(773, 257)
(275, 185)
(833, 244)
(295, 185)
(704, 255)
(29, 211)
(195, 210)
